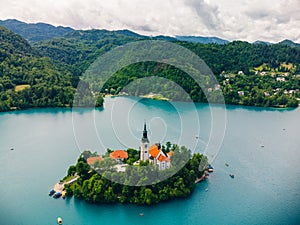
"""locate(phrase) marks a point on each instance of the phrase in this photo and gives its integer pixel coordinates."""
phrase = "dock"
(204, 176)
(60, 186)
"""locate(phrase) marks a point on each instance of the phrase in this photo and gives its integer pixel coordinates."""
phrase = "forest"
(46, 73)
(29, 79)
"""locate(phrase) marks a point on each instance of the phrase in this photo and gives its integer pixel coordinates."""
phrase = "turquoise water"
(265, 189)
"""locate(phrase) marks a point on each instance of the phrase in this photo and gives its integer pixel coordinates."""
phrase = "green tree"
(71, 170)
(82, 169)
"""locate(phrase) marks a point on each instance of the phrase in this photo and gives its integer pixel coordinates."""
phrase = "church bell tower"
(144, 154)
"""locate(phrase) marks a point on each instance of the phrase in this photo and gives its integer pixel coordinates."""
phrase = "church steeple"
(144, 154)
(145, 137)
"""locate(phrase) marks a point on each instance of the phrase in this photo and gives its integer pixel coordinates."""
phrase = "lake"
(261, 147)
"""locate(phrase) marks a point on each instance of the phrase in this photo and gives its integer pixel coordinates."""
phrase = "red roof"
(162, 158)
(170, 153)
(154, 151)
(119, 154)
(92, 160)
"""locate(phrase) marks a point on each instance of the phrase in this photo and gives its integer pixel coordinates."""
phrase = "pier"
(204, 176)
(60, 186)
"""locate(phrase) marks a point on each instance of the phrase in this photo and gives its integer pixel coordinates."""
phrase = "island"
(149, 175)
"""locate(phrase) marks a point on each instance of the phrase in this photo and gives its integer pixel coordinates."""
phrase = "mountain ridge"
(201, 39)
(47, 75)
(35, 32)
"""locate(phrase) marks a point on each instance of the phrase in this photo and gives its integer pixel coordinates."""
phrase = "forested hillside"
(46, 73)
(79, 49)
(237, 65)
(28, 79)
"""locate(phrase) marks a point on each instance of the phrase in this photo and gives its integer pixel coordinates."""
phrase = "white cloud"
(269, 20)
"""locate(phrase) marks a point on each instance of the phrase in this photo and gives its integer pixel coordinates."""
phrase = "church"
(154, 153)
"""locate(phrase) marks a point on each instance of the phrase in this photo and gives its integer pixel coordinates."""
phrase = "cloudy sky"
(250, 20)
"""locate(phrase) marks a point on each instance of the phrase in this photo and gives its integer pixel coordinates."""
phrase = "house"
(91, 160)
(241, 93)
(292, 92)
(159, 158)
(217, 87)
(263, 73)
(285, 74)
(154, 153)
(209, 89)
(240, 73)
(267, 94)
(119, 155)
(280, 79)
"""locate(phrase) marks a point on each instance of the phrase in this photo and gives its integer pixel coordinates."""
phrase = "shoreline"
(14, 109)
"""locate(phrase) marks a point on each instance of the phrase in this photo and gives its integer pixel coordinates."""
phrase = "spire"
(145, 131)
(145, 136)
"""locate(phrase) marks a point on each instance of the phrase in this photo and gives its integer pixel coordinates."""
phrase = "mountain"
(12, 43)
(80, 48)
(50, 69)
(28, 79)
(258, 42)
(128, 33)
(203, 40)
(34, 32)
(164, 38)
(95, 35)
(289, 43)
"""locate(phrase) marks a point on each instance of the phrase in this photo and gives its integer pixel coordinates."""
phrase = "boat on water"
(51, 192)
(59, 220)
(141, 214)
(210, 169)
(57, 195)
(231, 175)
(63, 194)
(226, 164)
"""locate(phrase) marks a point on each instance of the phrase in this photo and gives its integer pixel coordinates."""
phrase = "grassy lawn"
(21, 87)
(68, 178)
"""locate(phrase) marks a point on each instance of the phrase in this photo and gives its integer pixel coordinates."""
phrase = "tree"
(82, 169)
(71, 170)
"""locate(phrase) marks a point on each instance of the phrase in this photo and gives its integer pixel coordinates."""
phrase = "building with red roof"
(159, 158)
(119, 154)
(91, 160)
(154, 150)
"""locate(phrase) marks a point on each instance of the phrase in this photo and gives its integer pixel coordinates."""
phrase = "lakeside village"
(262, 87)
(84, 180)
